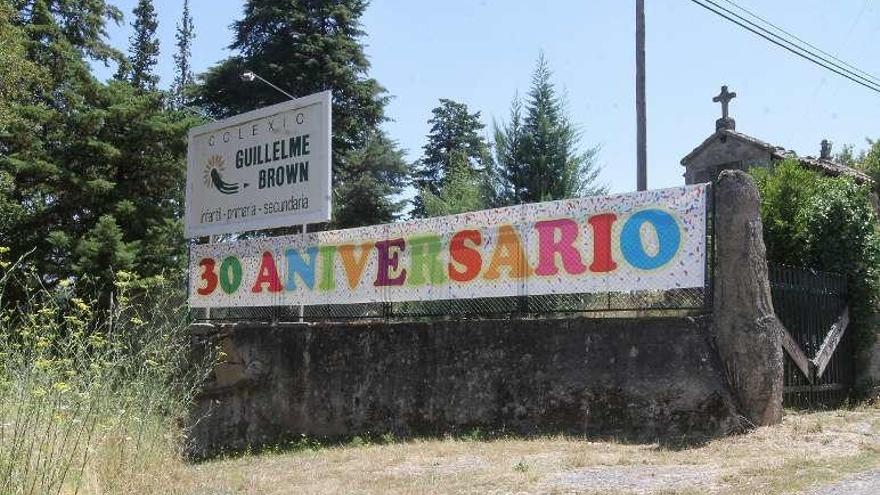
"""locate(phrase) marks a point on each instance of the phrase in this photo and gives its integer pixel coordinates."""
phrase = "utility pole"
(641, 119)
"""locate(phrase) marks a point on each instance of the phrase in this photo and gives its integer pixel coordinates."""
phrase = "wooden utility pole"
(641, 119)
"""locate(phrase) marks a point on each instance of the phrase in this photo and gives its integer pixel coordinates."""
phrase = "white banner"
(627, 242)
(262, 169)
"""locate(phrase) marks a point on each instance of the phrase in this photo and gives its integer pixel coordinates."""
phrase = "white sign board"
(262, 169)
(650, 240)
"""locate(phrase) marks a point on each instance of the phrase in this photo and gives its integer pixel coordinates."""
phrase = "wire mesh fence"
(691, 301)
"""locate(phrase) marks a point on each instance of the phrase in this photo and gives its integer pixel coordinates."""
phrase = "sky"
(482, 52)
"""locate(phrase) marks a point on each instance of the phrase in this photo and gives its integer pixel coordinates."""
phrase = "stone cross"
(724, 98)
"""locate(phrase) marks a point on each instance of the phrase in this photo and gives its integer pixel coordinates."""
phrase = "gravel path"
(867, 483)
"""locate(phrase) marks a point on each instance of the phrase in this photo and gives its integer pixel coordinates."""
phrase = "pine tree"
(307, 47)
(462, 190)
(380, 172)
(144, 46)
(545, 164)
(183, 77)
(455, 132)
(92, 160)
(19, 77)
(510, 167)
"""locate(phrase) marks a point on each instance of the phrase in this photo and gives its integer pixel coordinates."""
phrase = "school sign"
(637, 241)
(262, 169)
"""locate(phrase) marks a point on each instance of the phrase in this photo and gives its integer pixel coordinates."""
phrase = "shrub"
(92, 399)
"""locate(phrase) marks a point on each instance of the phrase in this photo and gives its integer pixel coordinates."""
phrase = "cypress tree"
(183, 76)
(144, 46)
(307, 47)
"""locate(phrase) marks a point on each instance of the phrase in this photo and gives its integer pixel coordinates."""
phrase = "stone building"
(728, 149)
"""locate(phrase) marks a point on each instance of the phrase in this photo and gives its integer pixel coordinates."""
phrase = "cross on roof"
(724, 97)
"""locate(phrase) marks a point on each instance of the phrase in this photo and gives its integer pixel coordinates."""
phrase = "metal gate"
(819, 350)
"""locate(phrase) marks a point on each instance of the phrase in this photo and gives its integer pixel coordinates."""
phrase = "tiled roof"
(828, 167)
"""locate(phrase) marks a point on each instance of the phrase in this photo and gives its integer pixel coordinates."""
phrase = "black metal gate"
(818, 347)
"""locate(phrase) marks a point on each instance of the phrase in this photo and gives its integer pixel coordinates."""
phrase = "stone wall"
(639, 379)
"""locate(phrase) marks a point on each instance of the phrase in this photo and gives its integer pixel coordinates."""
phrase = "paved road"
(867, 483)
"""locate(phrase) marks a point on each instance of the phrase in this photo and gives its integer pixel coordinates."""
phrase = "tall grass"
(92, 400)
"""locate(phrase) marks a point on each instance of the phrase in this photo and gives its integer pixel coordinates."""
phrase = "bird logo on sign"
(213, 176)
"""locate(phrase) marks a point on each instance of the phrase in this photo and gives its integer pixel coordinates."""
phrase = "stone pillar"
(747, 334)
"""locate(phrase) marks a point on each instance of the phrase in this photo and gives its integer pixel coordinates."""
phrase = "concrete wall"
(635, 379)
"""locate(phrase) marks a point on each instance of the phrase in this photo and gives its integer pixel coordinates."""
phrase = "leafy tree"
(869, 162)
(454, 134)
(539, 158)
(144, 46)
(307, 47)
(461, 191)
(183, 77)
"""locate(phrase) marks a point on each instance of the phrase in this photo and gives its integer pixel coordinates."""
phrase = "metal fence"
(808, 303)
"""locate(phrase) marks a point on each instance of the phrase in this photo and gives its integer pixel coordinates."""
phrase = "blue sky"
(482, 52)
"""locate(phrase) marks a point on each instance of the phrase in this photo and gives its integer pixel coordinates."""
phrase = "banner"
(627, 242)
(262, 169)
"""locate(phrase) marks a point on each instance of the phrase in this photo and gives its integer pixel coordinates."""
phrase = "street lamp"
(251, 76)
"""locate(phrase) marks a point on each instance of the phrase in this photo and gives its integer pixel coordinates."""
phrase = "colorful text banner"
(627, 242)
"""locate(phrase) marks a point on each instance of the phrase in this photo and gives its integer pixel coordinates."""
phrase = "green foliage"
(183, 76)
(825, 223)
(537, 153)
(20, 76)
(144, 46)
(88, 162)
(374, 175)
(866, 160)
(78, 24)
(307, 47)
(869, 162)
(454, 139)
(785, 196)
(462, 191)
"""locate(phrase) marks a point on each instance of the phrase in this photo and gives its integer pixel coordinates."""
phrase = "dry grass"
(807, 450)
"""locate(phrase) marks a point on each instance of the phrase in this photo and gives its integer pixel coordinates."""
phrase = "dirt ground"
(821, 453)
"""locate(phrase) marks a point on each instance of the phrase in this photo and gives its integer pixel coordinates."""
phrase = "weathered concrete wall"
(640, 379)
(747, 333)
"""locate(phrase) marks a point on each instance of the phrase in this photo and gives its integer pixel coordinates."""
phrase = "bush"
(92, 399)
(825, 223)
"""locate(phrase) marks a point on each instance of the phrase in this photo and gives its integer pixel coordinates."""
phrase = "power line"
(793, 46)
(807, 43)
(790, 46)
